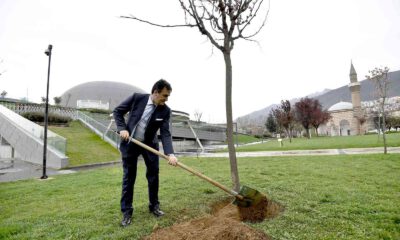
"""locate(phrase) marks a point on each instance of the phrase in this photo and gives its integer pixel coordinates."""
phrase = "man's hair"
(160, 85)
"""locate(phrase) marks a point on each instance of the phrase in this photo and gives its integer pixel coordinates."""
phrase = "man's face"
(159, 98)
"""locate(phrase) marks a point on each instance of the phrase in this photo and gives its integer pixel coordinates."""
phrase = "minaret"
(354, 88)
(355, 95)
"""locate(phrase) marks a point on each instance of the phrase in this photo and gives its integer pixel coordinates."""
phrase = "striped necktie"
(142, 124)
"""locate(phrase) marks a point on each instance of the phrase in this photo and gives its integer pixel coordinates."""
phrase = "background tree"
(197, 115)
(43, 99)
(396, 123)
(284, 115)
(289, 117)
(320, 116)
(271, 124)
(392, 122)
(361, 118)
(223, 22)
(277, 114)
(57, 101)
(379, 77)
(3, 94)
(304, 112)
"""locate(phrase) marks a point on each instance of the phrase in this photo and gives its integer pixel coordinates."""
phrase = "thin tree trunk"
(229, 122)
(379, 125)
(384, 128)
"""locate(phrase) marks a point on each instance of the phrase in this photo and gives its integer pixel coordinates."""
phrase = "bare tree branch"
(201, 26)
(262, 25)
(158, 25)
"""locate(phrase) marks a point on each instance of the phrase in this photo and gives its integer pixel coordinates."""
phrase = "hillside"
(327, 98)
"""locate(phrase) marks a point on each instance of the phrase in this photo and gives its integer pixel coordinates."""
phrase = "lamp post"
(46, 114)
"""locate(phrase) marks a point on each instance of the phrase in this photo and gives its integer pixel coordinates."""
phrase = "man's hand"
(172, 160)
(124, 134)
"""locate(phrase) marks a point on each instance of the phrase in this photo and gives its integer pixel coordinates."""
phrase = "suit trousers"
(129, 165)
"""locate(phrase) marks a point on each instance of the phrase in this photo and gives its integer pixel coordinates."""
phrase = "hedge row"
(52, 118)
(95, 110)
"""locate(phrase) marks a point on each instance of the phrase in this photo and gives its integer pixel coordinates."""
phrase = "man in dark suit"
(147, 114)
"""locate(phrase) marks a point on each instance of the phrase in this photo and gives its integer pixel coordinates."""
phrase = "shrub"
(267, 135)
(38, 117)
(95, 110)
(371, 133)
(392, 131)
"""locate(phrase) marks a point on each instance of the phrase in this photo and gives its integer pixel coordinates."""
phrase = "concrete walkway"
(13, 169)
(306, 152)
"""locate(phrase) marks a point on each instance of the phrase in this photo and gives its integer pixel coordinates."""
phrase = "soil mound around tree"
(223, 223)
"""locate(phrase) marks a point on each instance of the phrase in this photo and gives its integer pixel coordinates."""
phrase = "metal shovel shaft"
(181, 165)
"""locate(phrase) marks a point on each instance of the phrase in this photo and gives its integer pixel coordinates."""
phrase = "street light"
(46, 114)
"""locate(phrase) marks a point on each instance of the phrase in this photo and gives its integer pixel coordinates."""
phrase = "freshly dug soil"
(258, 212)
(223, 223)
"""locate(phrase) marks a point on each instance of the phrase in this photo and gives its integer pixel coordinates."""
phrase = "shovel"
(247, 197)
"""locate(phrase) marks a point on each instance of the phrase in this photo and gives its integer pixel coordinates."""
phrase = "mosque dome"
(109, 93)
(340, 106)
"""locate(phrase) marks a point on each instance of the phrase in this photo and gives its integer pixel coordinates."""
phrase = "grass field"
(243, 139)
(339, 142)
(84, 146)
(329, 197)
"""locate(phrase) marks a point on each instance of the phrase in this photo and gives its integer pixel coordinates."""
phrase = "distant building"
(357, 117)
(92, 104)
(98, 94)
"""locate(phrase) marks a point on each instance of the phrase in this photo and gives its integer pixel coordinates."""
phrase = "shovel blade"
(250, 195)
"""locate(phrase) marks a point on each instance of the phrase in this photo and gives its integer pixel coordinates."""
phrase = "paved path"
(306, 152)
(13, 169)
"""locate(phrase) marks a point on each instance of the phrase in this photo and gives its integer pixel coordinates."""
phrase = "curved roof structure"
(340, 106)
(105, 91)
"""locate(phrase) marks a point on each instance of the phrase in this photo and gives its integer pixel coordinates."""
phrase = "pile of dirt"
(258, 212)
(223, 223)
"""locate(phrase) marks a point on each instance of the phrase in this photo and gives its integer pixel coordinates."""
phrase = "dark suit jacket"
(135, 105)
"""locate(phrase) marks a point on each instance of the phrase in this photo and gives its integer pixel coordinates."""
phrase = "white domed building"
(343, 122)
(345, 119)
(98, 94)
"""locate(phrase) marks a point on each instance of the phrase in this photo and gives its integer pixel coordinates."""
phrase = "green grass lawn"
(243, 139)
(338, 142)
(84, 146)
(329, 197)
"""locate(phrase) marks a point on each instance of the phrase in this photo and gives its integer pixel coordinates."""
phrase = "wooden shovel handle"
(181, 165)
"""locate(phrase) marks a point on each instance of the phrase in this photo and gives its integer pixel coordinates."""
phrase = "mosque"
(355, 117)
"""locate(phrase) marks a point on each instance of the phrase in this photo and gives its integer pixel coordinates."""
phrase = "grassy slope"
(330, 197)
(325, 143)
(243, 139)
(85, 147)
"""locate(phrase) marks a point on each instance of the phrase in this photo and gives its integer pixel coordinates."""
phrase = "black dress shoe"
(126, 220)
(157, 212)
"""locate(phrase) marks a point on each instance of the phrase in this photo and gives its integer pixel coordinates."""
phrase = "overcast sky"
(305, 47)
